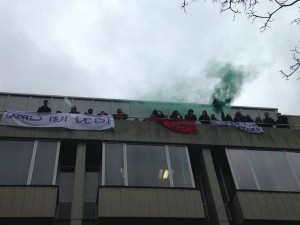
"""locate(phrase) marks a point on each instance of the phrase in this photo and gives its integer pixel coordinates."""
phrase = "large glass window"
(28, 162)
(265, 170)
(146, 165)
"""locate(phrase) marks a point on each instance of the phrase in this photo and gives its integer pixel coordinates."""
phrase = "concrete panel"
(149, 202)
(265, 206)
(27, 201)
(78, 193)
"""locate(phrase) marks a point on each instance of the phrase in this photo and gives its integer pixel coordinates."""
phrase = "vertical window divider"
(252, 170)
(292, 169)
(103, 164)
(56, 164)
(189, 165)
(125, 164)
(32, 162)
(169, 166)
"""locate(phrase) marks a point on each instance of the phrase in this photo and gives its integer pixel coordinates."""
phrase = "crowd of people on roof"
(119, 115)
(204, 118)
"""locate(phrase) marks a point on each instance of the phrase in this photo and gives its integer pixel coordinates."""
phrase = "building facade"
(142, 173)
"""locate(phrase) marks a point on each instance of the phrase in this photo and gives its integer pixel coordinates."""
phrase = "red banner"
(180, 126)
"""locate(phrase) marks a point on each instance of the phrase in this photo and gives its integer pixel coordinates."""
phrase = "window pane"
(15, 158)
(241, 169)
(272, 171)
(180, 167)
(147, 166)
(66, 183)
(91, 183)
(114, 164)
(295, 161)
(44, 163)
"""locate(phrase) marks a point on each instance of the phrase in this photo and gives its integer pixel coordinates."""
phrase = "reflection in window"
(147, 165)
(264, 170)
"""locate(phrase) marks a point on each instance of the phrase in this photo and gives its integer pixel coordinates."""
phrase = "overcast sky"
(141, 49)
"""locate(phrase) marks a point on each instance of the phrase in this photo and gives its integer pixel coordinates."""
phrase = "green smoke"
(230, 83)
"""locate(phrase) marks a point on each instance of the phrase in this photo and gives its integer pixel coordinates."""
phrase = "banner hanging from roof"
(245, 126)
(180, 126)
(65, 120)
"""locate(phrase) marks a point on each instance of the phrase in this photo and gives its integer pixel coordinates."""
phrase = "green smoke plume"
(230, 83)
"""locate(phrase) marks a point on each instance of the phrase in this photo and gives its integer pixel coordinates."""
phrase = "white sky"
(149, 50)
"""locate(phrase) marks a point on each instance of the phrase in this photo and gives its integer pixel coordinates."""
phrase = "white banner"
(245, 126)
(66, 120)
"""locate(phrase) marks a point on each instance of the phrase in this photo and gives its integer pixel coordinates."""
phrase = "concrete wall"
(149, 202)
(135, 131)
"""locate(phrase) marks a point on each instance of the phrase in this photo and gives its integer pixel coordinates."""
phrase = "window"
(146, 165)
(265, 170)
(28, 162)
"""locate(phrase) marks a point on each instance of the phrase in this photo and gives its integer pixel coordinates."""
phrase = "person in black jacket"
(268, 121)
(190, 115)
(227, 118)
(176, 115)
(282, 121)
(74, 110)
(204, 118)
(157, 114)
(44, 108)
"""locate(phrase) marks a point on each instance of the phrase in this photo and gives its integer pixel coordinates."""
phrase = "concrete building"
(142, 173)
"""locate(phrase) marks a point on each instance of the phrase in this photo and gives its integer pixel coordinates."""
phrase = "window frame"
(125, 163)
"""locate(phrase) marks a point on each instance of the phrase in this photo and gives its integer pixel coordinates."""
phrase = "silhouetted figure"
(249, 119)
(89, 112)
(204, 118)
(102, 113)
(74, 110)
(258, 121)
(157, 114)
(120, 115)
(227, 117)
(238, 117)
(176, 115)
(44, 108)
(268, 121)
(190, 115)
(213, 117)
(282, 121)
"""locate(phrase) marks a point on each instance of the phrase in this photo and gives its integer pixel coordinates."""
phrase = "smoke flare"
(67, 101)
(229, 86)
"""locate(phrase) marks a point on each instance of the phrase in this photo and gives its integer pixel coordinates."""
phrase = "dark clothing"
(158, 115)
(239, 119)
(174, 117)
(120, 116)
(227, 118)
(282, 122)
(44, 109)
(249, 120)
(268, 122)
(190, 117)
(204, 119)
